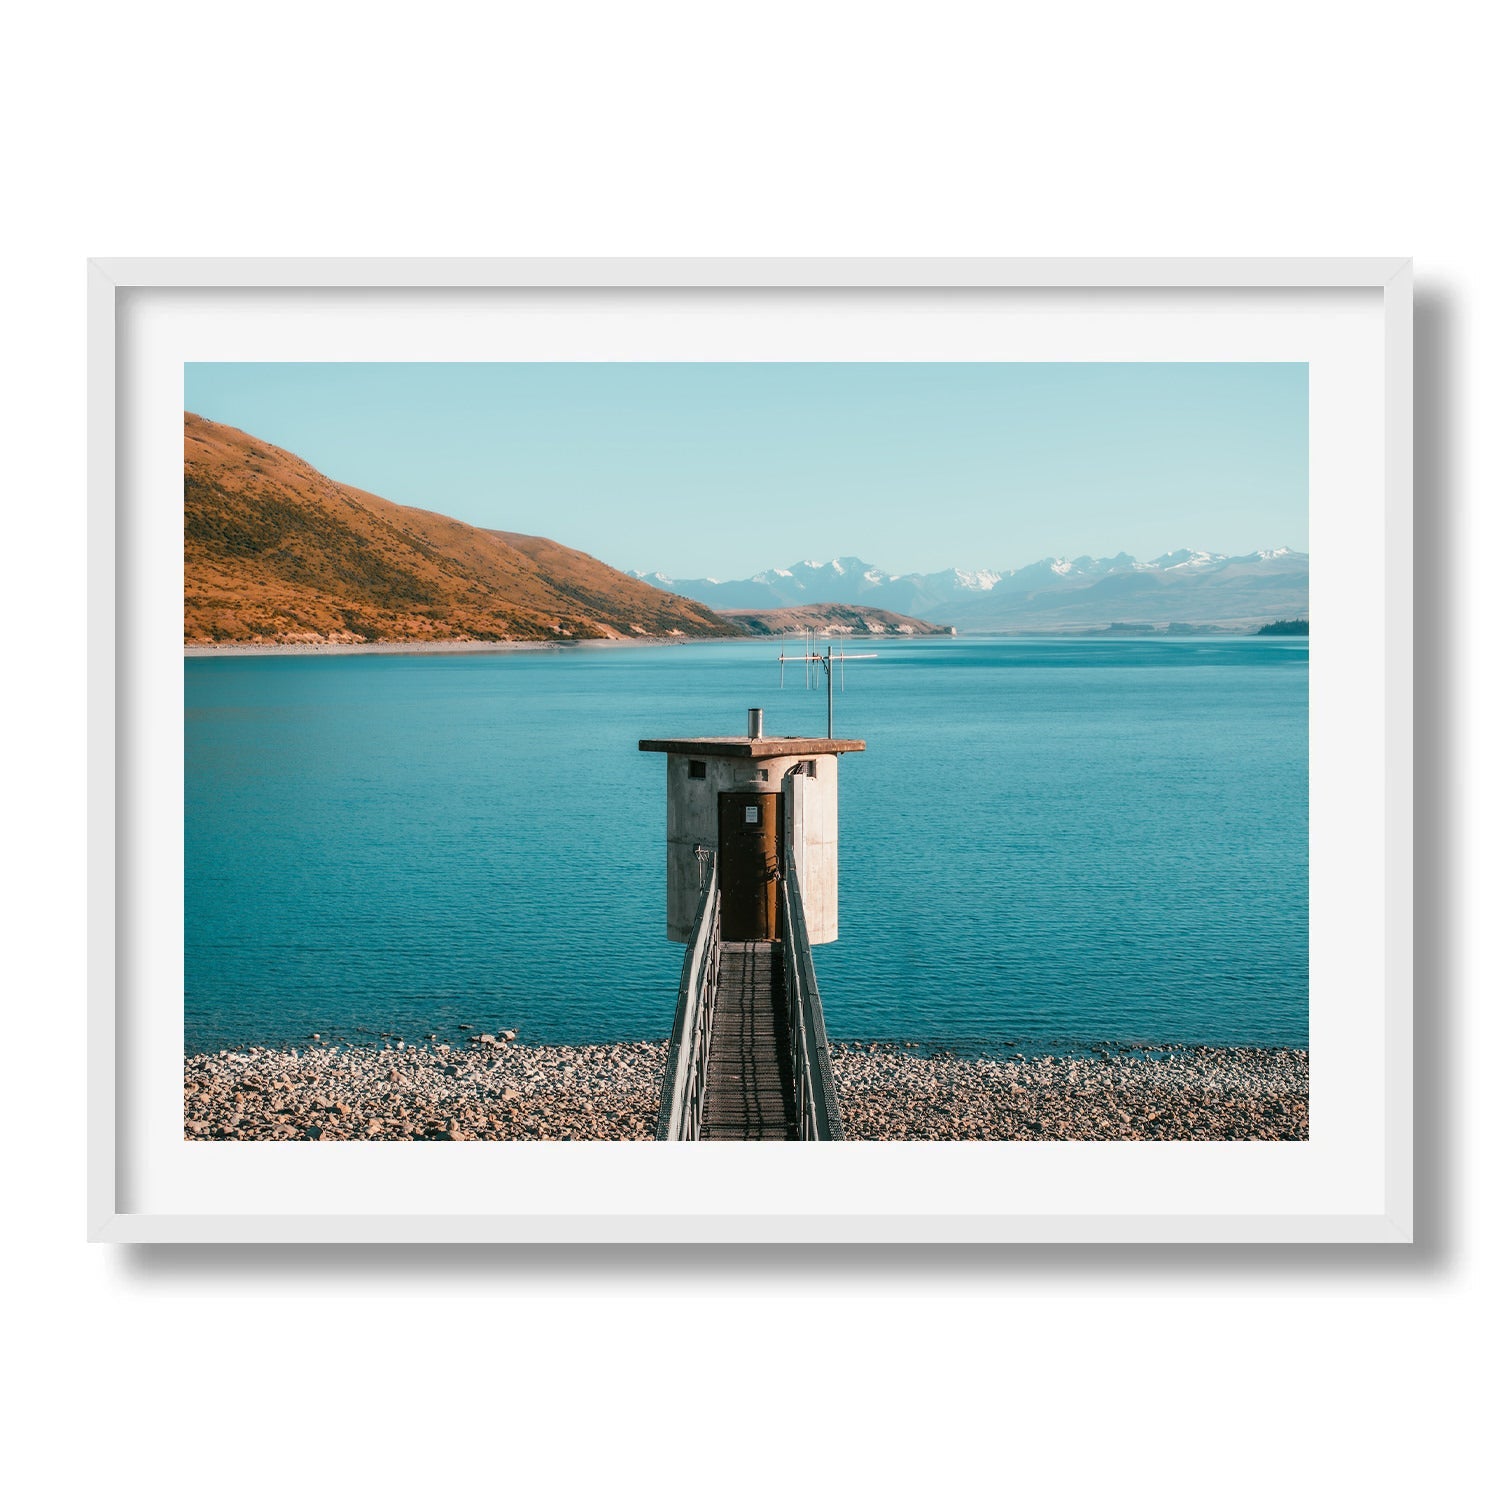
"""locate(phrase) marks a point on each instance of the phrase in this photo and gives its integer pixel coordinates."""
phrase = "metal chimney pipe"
(756, 718)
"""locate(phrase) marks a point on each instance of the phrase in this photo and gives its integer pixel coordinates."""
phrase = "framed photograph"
(821, 751)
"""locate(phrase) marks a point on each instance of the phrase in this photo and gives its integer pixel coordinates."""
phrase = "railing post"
(681, 1114)
(816, 1096)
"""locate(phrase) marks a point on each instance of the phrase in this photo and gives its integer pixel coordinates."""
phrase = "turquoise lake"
(1047, 842)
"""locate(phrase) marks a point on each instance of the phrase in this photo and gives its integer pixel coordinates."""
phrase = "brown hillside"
(276, 551)
(832, 619)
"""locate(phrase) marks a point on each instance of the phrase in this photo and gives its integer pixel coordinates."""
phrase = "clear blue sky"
(725, 469)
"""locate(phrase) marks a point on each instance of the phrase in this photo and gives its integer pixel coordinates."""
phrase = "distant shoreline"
(460, 648)
(434, 648)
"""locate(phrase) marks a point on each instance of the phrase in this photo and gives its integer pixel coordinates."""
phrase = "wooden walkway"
(748, 1094)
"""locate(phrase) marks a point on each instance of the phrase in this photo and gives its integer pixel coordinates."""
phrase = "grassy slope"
(276, 551)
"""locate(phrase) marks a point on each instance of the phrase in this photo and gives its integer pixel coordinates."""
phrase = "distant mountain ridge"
(1182, 587)
(276, 552)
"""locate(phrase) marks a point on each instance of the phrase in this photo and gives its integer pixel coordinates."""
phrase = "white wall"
(692, 821)
(792, 128)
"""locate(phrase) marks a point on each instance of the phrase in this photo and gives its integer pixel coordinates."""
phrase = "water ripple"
(1045, 840)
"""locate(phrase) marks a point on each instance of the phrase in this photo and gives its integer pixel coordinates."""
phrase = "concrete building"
(745, 797)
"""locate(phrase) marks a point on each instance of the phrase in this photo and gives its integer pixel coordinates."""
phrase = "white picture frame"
(1351, 1182)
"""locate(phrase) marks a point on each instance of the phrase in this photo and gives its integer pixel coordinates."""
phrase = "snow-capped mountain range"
(1186, 586)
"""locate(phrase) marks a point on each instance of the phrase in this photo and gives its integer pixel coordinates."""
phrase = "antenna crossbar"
(825, 659)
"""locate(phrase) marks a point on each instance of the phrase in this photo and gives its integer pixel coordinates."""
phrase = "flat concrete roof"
(748, 749)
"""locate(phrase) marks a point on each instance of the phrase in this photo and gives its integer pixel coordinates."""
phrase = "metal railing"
(818, 1117)
(681, 1114)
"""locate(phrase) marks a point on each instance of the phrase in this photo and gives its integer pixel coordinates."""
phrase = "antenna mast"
(826, 660)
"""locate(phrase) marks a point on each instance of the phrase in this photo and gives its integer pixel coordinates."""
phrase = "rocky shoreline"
(497, 1090)
(887, 1093)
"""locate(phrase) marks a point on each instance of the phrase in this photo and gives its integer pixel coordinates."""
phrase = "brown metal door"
(749, 864)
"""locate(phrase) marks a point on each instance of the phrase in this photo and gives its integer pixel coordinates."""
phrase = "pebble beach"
(496, 1089)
